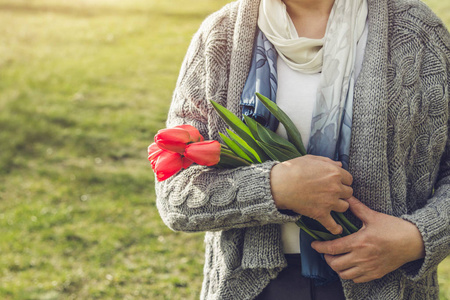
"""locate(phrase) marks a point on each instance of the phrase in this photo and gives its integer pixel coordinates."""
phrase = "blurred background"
(84, 86)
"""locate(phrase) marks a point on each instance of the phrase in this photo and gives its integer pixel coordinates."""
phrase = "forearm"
(433, 223)
(208, 199)
(412, 244)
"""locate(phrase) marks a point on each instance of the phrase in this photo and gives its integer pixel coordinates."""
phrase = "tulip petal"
(205, 153)
(166, 165)
(186, 162)
(172, 139)
(153, 151)
(194, 134)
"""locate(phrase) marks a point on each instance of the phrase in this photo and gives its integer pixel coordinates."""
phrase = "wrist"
(416, 246)
(276, 186)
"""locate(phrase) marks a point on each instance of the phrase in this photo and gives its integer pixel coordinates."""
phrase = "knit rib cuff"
(430, 227)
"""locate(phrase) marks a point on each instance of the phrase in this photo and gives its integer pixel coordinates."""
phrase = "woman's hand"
(312, 186)
(382, 245)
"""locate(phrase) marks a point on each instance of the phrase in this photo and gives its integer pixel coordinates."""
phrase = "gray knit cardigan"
(399, 156)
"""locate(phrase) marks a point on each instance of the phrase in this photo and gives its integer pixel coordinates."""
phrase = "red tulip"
(167, 164)
(204, 153)
(194, 134)
(186, 162)
(167, 154)
(153, 151)
(172, 139)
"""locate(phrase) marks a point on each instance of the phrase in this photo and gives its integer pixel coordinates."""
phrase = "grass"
(84, 85)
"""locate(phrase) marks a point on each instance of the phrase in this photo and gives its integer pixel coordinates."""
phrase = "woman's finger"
(346, 192)
(351, 273)
(346, 177)
(341, 206)
(330, 224)
(340, 262)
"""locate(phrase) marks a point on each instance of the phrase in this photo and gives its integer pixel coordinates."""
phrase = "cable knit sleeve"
(206, 198)
(433, 220)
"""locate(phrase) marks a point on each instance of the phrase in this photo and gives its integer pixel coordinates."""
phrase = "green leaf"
(320, 235)
(345, 231)
(313, 224)
(349, 225)
(305, 228)
(271, 138)
(240, 128)
(292, 131)
(235, 148)
(325, 236)
(275, 153)
(229, 159)
(252, 125)
(232, 120)
(244, 146)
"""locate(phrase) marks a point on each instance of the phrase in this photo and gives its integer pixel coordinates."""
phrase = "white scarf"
(345, 24)
(334, 56)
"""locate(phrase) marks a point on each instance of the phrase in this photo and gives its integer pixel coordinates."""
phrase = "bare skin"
(310, 17)
(314, 186)
(319, 182)
(382, 245)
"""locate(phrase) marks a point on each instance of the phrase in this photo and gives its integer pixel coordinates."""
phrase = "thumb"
(330, 224)
(359, 209)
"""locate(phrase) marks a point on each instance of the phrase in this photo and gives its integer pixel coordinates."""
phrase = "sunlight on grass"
(84, 87)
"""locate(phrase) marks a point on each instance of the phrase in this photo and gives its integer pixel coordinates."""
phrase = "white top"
(296, 96)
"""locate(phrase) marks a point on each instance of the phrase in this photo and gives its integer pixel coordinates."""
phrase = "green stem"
(305, 229)
(352, 228)
(340, 222)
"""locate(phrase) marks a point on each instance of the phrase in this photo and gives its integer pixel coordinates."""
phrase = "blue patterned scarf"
(330, 133)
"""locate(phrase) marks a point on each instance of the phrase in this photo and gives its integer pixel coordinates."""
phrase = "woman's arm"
(204, 198)
(382, 245)
(433, 222)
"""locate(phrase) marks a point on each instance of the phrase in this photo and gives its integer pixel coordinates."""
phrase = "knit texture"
(399, 153)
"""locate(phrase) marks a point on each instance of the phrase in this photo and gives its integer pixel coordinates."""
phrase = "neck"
(305, 7)
(310, 17)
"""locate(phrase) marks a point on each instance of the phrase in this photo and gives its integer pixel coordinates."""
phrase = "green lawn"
(84, 86)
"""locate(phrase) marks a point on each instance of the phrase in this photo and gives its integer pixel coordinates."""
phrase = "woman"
(395, 86)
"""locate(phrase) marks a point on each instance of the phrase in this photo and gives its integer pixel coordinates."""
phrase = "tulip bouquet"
(179, 147)
(251, 143)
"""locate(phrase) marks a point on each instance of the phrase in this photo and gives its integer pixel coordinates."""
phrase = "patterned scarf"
(334, 57)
